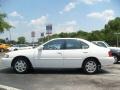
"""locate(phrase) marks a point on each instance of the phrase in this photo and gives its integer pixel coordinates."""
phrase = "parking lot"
(62, 79)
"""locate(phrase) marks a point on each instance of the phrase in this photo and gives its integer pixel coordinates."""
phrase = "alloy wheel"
(91, 66)
(20, 66)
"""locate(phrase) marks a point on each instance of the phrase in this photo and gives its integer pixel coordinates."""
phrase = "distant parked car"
(60, 53)
(19, 47)
(115, 50)
(33, 45)
(4, 47)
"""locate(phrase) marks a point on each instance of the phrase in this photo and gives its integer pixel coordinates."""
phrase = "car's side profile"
(60, 53)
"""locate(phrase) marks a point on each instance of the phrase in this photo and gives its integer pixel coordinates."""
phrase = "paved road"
(62, 79)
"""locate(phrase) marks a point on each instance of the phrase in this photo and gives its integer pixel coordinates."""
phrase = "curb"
(3, 87)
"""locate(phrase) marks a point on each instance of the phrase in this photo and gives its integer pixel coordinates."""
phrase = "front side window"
(54, 45)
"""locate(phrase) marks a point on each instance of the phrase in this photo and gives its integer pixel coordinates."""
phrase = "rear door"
(75, 52)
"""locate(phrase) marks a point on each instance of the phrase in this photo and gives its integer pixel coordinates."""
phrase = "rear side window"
(84, 45)
(76, 44)
(73, 44)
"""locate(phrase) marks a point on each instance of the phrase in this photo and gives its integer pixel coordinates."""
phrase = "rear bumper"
(106, 61)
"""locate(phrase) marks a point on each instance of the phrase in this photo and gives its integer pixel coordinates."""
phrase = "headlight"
(6, 56)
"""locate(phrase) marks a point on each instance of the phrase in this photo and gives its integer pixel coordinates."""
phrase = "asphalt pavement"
(62, 79)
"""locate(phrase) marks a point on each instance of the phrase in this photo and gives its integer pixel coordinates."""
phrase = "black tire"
(86, 66)
(116, 59)
(18, 68)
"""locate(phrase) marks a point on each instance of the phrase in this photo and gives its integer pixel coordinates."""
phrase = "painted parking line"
(3, 87)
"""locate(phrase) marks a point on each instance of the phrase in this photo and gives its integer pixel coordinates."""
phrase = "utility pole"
(10, 35)
(117, 39)
(33, 37)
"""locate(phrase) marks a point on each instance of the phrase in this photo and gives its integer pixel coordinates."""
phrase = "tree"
(63, 35)
(82, 34)
(2, 41)
(4, 25)
(113, 26)
(21, 40)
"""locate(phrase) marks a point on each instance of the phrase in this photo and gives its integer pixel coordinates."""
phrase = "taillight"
(110, 54)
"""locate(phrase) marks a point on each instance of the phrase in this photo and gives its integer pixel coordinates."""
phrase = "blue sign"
(42, 34)
(49, 29)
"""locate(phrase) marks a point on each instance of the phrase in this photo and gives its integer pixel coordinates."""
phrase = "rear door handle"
(85, 52)
(59, 53)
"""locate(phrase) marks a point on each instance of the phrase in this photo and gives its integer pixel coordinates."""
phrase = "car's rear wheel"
(20, 65)
(90, 66)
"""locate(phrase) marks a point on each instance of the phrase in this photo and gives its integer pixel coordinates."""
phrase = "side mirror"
(40, 48)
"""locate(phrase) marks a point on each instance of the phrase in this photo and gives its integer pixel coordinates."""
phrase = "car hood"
(26, 52)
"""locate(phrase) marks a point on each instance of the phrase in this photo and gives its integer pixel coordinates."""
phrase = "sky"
(64, 15)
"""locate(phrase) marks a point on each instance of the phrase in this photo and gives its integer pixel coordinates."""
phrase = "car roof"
(69, 38)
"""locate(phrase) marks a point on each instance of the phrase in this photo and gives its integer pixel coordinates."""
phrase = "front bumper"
(6, 62)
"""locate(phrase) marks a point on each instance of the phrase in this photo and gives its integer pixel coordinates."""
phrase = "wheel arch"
(88, 58)
(26, 58)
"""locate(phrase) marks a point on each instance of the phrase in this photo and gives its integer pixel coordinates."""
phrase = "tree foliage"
(4, 25)
(2, 41)
(21, 40)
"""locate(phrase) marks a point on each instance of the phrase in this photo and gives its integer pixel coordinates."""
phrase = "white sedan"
(60, 53)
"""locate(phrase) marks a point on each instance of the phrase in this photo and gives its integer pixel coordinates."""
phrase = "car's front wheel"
(90, 66)
(20, 65)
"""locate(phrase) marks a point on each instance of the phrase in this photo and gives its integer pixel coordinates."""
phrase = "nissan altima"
(60, 53)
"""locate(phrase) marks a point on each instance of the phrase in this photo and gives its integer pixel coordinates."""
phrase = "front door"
(52, 54)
